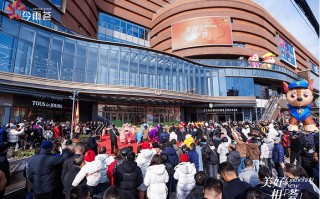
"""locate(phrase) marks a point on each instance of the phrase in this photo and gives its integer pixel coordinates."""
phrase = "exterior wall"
(252, 25)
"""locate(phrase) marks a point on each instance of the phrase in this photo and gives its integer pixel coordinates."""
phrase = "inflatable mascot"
(299, 96)
(254, 59)
(269, 59)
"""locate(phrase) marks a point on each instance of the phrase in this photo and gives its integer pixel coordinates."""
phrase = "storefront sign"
(220, 110)
(201, 31)
(46, 104)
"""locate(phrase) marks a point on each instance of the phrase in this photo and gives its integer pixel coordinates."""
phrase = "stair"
(271, 110)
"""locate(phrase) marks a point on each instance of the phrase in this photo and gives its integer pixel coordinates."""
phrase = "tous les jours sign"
(46, 104)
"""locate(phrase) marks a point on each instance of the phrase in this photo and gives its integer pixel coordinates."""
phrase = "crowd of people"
(195, 160)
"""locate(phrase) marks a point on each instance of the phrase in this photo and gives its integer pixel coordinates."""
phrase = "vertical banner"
(76, 113)
(201, 31)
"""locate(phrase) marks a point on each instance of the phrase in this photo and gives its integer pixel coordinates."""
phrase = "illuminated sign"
(287, 52)
(202, 31)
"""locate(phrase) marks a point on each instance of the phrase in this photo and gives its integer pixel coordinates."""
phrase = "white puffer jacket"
(173, 135)
(91, 170)
(105, 160)
(144, 159)
(184, 173)
(223, 150)
(266, 149)
(156, 179)
(13, 135)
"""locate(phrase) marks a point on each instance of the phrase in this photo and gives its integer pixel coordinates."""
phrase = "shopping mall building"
(144, 60)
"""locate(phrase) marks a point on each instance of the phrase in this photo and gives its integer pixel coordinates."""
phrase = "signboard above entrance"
(220, 110)
(201, 31)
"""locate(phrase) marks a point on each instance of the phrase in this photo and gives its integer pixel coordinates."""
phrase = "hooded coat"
(128, 177)
(223, 150)
(91, 170)
(184, 173)
(234, 159)
(253, 151)
(143, 161)
(155, 179)
(172, 155)
(105, 160)
(266, 149)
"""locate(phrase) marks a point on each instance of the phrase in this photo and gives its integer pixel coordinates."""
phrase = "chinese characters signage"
(18, 10)
(287, 52)
(202, 31)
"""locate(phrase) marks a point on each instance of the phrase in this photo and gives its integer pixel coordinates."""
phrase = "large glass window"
(81, 60)
(237, 86)
(143, 69)
(114, 62)
(55, 57)
(68, 59)
(111, 28)
(124, 66)
(91, 70)
(103, 64)
(134, 67)
(7, 49)
(24, 50)
(40, 58)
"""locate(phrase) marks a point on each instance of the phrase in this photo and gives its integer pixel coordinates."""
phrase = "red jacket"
(56, 132)
(285, 141)
(110, 172)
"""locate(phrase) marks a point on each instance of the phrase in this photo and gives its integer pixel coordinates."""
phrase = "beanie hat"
(89, 156)
(145, 145)
(184, 158)
(46, 145)
(155, 145)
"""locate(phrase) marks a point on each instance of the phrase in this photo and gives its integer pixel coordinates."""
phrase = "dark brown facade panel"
(107, 7)
(127, 5)
(146, 5)
(176, 8)
(72, 23)
(79, 17)
(88, 13)
(159, 2)
(93, 8)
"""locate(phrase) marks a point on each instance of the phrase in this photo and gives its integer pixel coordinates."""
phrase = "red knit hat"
(89, 156)
(184, 158)
(145, 145)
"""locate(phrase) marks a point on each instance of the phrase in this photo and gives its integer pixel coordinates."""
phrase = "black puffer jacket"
(113, 134)
(43, 170)
(4, 166)
(209, 155)
(196, 193)
(128, 177)
(234, 159)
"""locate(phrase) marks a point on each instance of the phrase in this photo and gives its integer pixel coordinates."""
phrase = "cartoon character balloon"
(254, 58)
(269, 59)
(299, 96)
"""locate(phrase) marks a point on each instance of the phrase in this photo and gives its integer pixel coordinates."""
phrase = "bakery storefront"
(29, 108)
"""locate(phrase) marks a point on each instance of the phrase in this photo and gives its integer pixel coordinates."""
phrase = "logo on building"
(18, 10)
(15, 9)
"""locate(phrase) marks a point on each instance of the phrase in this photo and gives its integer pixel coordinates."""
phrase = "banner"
(76, 112)
(201, 31)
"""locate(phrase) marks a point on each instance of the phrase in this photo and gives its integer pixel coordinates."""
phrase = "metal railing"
(247, 64)
(270, 108)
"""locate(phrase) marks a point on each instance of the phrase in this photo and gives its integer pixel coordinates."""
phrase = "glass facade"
(111, 28)
(32, 51)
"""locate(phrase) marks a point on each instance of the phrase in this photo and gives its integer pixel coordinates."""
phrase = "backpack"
(209, 155)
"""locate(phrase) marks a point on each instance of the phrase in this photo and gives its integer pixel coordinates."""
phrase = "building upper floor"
(31, 50)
